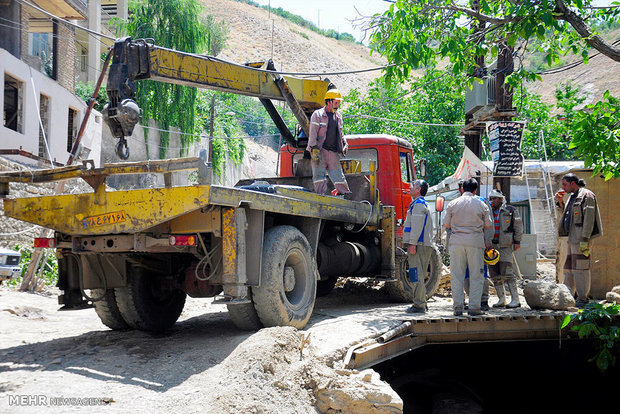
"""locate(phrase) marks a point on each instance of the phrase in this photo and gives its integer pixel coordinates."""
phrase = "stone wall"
(12, 231)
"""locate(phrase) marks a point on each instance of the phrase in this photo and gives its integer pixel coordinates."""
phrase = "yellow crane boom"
(138, 59)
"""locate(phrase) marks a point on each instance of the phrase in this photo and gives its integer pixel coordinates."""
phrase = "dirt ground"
(204, 364)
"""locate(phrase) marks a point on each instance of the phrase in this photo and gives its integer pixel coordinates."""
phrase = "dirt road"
(204, 364)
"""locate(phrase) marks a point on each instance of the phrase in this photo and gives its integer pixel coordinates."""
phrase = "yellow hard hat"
(333, 94)
(491, 256)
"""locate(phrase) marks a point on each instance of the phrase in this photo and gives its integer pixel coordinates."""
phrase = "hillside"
(295, 48)
(600, 74)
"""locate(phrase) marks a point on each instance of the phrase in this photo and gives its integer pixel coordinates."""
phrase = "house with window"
(43, 53)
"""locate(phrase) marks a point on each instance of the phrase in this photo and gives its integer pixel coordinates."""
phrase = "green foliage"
(300, 21)
(415, 34)
(235, 116)
(176, 24)
(557, 129)
(596, 136)
(50, 270)
(435, 98)
(419, 34)
(86, 90)
(598, 321)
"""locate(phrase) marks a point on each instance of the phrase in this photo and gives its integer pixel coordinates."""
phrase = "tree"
(435, 98)
(556, 129)
(597, 136)
(419, 33)
(176, 24)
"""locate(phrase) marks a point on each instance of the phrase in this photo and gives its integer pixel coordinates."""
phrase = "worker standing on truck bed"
(417, 235)
(581, 222)
(467, 217)
(326, 143)
(508, 228)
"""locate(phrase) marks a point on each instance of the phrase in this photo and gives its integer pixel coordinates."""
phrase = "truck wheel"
(401, 290)
(324, 287)
(107, 309)
(244, 316)
(146, 305)
(288, 283)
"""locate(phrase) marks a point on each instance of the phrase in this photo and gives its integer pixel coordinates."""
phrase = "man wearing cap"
(326, 144)
(508, 230)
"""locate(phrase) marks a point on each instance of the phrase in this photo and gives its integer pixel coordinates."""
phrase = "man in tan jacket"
(507, 233)
(581, 222)
(467, 217)
(417, 235)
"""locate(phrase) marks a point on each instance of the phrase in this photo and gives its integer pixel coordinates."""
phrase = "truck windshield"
(364, 155)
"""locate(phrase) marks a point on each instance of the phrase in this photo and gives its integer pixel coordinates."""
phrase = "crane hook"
(123, 154)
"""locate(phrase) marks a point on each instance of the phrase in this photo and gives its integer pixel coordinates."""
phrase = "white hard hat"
(495, 193)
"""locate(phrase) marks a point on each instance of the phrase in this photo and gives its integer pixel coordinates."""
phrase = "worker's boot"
(501, 296)
(514, 294)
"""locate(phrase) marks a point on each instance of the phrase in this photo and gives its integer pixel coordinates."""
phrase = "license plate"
(104, 219)
(4, 272)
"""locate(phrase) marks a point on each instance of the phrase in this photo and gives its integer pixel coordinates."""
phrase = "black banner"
(505, 139)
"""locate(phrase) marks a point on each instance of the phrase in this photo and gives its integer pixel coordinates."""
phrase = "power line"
(404, 121)
(77, 26)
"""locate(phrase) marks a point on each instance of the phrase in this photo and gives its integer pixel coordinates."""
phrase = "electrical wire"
(53, 16)
(404, 121)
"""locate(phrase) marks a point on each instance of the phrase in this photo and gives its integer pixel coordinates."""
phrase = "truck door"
(407, 175)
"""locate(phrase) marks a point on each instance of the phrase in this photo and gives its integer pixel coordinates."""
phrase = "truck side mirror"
(439, 204)
(423, 168)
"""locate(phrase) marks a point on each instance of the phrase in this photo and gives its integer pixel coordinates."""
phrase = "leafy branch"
(599, 321)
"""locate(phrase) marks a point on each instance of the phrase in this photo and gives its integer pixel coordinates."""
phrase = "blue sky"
(331, 14)
(337, 14)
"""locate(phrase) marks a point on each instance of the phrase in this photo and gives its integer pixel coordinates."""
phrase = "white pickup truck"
(9, 264)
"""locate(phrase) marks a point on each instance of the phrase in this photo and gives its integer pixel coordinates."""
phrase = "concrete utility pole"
(503, 102)
(475, 124)
(473, 139)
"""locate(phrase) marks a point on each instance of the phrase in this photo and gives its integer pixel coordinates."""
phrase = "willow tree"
(180, 25)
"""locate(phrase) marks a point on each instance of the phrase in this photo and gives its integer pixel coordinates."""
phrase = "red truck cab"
(393, 157)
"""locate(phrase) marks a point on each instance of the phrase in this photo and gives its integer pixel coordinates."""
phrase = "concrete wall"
(33, 84)
(10, 34)
(259, 161)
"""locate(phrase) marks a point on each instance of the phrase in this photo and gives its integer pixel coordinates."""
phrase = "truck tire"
(107, 309)
(324, 287)
(145, 305)
(401, 290)
(287, 289)
(244, 316)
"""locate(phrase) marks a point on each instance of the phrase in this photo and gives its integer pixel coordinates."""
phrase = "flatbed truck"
(266, 249)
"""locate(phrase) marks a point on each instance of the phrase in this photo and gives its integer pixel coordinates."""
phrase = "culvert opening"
(518, 377)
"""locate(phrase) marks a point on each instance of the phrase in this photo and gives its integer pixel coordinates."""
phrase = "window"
(13, 90)
(44, 105)
(71, 128)
(40, 44)
(364, 155)
(406, 167)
